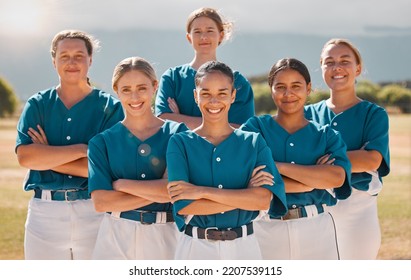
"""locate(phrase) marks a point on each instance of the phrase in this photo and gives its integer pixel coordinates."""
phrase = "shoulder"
(44, 95)
(178, 70)
(173, 127)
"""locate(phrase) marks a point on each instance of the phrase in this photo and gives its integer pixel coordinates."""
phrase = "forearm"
(45, 157)
(204, 207)
(114, 201)
(293, 186)
(190, 122)
(315, 176)
(363, 160)
(77, 167)
(251, 199)
(153, 190)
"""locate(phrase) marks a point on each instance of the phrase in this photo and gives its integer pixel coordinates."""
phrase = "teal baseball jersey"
(77, 125)
(305, 147)
(178, 83)
(118, 154)
(364, 125)
(229, 165)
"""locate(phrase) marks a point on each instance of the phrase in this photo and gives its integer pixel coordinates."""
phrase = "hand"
(173, 105)
(38, 137)
(325, 159)
(260, 178)
(178, 190)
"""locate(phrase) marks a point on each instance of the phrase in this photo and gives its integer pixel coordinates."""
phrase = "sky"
(320, 17)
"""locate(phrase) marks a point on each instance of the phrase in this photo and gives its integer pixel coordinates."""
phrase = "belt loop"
(161, 217)
(244, 229)
(194, 232)
(311, 210)
(46, 195)
(115, 214)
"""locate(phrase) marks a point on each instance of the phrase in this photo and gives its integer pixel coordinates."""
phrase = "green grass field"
(394, 201)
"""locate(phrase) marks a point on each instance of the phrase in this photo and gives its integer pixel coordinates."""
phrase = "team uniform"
(307, 230)
(178, 83)
(148, 232)
(61, 221)
(364, 125)
(229, 165)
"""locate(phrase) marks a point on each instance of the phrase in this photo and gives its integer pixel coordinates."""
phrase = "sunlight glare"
(22, 17)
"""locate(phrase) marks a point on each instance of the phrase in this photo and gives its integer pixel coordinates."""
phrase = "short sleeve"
(177, 169)
(337, 148)
(30, 117)
(99, 172)
(377, 137)
(278, 206)
(243, 107)
(165, 90)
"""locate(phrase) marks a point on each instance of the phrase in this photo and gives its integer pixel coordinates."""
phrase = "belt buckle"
(65, 194)
(292, 214)
(142, 219)
(206, 232)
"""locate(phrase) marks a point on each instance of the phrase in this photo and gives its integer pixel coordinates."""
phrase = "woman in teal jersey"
(313, 162)
(127, 171)
(364, 128)
(52, 139)
(209, 170)
(206, 30)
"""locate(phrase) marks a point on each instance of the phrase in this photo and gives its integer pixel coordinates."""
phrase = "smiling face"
(289, 91)
(214, 94)
(339, 67)
(135, 91)
(204, 35)
(72, 60)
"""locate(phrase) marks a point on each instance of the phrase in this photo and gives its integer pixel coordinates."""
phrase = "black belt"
(299, 212)
(146, 217)
(219, 234)
(64, 195)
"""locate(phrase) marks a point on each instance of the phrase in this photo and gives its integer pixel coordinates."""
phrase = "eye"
(329, 63)
(279, 88)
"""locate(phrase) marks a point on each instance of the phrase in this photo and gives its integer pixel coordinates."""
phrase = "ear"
(308, 89)
(221, 37)
(155, 85)
(233, 95)
(358, 70)
(91, 61)
(53, 60)
(195, 96)
(188, 36)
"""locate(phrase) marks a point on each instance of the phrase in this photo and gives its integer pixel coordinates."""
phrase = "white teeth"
(136, 105)
(214, 111)
(338, 77)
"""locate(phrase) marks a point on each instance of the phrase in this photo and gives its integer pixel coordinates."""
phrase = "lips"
(214, 111)
(136, 106)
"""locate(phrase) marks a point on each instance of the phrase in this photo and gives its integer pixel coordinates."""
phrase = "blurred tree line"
(392, 96)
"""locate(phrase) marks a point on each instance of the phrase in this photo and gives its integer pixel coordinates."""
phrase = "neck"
(200, 59)
(341, 101)
(214, 132)
(70, 94)
(140, 123)
(291, 122)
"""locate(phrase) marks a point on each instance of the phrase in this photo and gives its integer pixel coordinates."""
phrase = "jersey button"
(218, 159)
(68, 137)
(69, 119)
(292, 162)
(142, 151)
(334, 123)
(70, 176)
(220, 186)
(294, 206)
(292, 144)
(143, 175)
